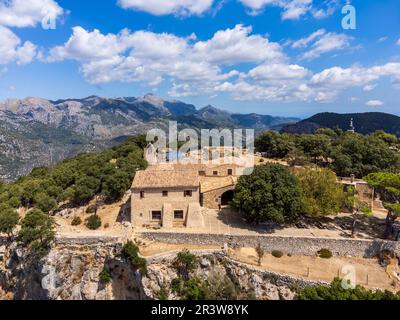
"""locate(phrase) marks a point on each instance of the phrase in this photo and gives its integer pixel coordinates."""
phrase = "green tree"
(8, 220)
(316, 146)
(275, 144)
(115, 185)
(387, 185)
(270, 193)
(185, 263)
(37, 232)
(130, 252)
(322, 195)
(44, 202)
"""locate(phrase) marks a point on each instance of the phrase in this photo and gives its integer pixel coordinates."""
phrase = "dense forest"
(77, 180)
(346, 153)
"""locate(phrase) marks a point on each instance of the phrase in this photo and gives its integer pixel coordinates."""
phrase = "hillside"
(38, 132)
(364, 123)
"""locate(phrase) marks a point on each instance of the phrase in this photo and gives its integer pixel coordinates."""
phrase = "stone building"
(171, 195)
(167, 198)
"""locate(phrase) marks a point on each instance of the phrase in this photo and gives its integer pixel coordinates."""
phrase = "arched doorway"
(227, 197)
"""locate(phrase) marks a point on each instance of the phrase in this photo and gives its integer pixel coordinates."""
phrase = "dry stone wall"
(308, 246)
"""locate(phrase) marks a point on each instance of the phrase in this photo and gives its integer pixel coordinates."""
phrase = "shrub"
(277, 254)
(105, 276)
(325, 254)
(93, 222)
(195, 289)
(185, 263)
(176, 285)
(130, 251)
(76, 221)
(163, 294)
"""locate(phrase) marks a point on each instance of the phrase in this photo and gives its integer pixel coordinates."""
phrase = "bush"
(163, 294)
(325, 254)
(277, 254)
(185, 263)
(130, 252)
(76, 221)
(93, 222)
(105, 276)
(195, 289)
(177, 285)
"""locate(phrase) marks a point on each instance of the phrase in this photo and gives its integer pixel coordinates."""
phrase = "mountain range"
(364, 123)
(38, 132)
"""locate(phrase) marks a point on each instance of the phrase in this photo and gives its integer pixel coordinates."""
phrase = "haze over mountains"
(38, 132)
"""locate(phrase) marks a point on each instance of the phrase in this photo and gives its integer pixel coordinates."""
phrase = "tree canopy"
(345, 153)
(322, 195)
(270, 193)
(387, 185)
(78, 180)
(37, 232)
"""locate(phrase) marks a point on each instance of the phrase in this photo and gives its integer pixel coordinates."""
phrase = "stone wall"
(308, 246)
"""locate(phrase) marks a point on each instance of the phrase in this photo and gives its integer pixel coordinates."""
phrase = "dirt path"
(368, 271)
(148, 248)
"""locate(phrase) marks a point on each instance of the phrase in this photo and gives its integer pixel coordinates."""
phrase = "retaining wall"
(308, 246)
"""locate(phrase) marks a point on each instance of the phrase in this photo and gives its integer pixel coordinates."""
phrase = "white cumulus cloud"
(13, 50)
(321, 42)
(165, 7)
(27, 13)
(374, 103)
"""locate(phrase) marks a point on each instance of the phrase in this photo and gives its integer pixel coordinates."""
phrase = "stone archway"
(212, 198)
(227, 197)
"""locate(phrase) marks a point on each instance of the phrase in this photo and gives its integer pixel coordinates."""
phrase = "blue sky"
(279, 57)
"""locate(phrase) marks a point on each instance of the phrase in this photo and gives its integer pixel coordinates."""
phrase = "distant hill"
(39, 132)
(364, 123)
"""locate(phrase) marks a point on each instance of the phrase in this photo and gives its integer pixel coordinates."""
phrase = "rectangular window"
(230, 172)
(215, 173)
(141, 194)
(188, 193)
(165, 194)
(178, 215)
(156, 215)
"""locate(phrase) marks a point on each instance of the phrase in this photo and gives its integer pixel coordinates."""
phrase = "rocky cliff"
(71, 272)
